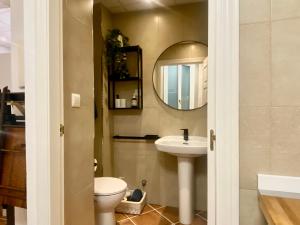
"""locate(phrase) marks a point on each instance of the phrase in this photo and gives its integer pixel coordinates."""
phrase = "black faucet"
(185, 134)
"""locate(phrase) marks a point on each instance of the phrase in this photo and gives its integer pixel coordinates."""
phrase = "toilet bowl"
(108, 193)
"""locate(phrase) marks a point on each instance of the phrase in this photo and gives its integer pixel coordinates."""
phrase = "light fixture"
(148, 1)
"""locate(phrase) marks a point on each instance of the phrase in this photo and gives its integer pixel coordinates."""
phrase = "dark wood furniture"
(12, 154)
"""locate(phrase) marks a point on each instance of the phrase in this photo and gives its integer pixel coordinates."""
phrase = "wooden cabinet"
(12, 154)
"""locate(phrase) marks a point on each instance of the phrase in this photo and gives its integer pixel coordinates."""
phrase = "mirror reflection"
(180, 75)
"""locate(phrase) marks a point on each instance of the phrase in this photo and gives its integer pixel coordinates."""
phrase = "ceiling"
(4, 4)
(118, 6)
(5, 30)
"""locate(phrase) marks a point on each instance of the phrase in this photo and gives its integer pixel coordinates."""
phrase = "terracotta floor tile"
(125, 222)
(155, 206)
(146, 209)
(120, 216)
(151, 218)
(171, 213)
(196, 221)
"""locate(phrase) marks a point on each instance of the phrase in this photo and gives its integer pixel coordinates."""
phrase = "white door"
(223, 112)
(43, 82)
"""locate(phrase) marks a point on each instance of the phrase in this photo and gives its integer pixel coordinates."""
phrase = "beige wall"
(154, 31)
(107, 153)
(79, 122)
(269, 96)
(5, 75)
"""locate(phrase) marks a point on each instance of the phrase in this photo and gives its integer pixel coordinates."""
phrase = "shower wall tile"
(255, 137)
(285, 153)
(255, 69)
(249, 208)
(269, 96)
(285, 63)
(285, 9)
(254, 11)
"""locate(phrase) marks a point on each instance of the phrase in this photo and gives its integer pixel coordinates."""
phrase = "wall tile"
(285, 129)
(170, 121)
(188, 121)
(254, 159)
(255, 123)
(127, 123)
(253, 11)
(285, 153)
(79, 123)
(255, 71)
(201, 183)
(285, 63)
(191, 29)
(255, 139)
(285, 164)
(250, 213)
(80, 207)
(150, 121)
(154, 31)
(285, 9)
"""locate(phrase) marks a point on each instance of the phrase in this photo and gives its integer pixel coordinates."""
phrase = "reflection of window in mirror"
(183, 82)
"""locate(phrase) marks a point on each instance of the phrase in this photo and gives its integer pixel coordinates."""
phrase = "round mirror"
(180, 75)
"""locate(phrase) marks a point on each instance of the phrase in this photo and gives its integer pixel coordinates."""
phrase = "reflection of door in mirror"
(180, 76)
(185, 87)
(170, 75)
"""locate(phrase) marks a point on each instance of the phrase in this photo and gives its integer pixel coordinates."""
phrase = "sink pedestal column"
(186, 184)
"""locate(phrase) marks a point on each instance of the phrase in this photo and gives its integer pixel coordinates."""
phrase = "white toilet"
(109, 192)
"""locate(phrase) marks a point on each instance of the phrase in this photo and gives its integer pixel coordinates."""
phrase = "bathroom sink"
(186, 151)
(175, 145)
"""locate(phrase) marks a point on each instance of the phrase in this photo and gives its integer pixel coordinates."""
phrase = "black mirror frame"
(181, 42)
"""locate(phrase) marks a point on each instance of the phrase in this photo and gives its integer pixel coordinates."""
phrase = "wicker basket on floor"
(129, 207)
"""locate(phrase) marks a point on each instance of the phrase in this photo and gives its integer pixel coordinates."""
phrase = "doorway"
(45, 189)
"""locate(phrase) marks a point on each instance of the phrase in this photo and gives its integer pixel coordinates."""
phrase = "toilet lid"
(109, 186)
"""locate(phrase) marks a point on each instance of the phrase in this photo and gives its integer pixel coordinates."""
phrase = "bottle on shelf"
(117, 102)
(134, 102)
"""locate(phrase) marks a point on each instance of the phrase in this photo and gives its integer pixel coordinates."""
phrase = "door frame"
(44, 111)
(223, 112)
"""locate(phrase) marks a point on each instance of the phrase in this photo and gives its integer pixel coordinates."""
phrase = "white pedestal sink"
(185, 151)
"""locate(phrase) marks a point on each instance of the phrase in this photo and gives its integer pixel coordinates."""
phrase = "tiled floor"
(158, 215)
(154, 215)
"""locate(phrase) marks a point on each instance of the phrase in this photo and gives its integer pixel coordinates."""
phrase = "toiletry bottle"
(134, 102)
(123, 103)
(118, 102)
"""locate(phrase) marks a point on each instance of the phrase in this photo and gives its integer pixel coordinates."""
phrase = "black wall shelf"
(146, 137)
(125, 87)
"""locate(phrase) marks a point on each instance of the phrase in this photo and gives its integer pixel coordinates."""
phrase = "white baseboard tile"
(280, 186)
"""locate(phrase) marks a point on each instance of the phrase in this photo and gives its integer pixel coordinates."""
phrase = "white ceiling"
(118, 6)
(5, 30)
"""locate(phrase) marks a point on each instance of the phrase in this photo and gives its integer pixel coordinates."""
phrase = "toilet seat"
(105, 186)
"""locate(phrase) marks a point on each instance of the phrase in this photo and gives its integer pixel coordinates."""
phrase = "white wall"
(5, 70)
(17, 46)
